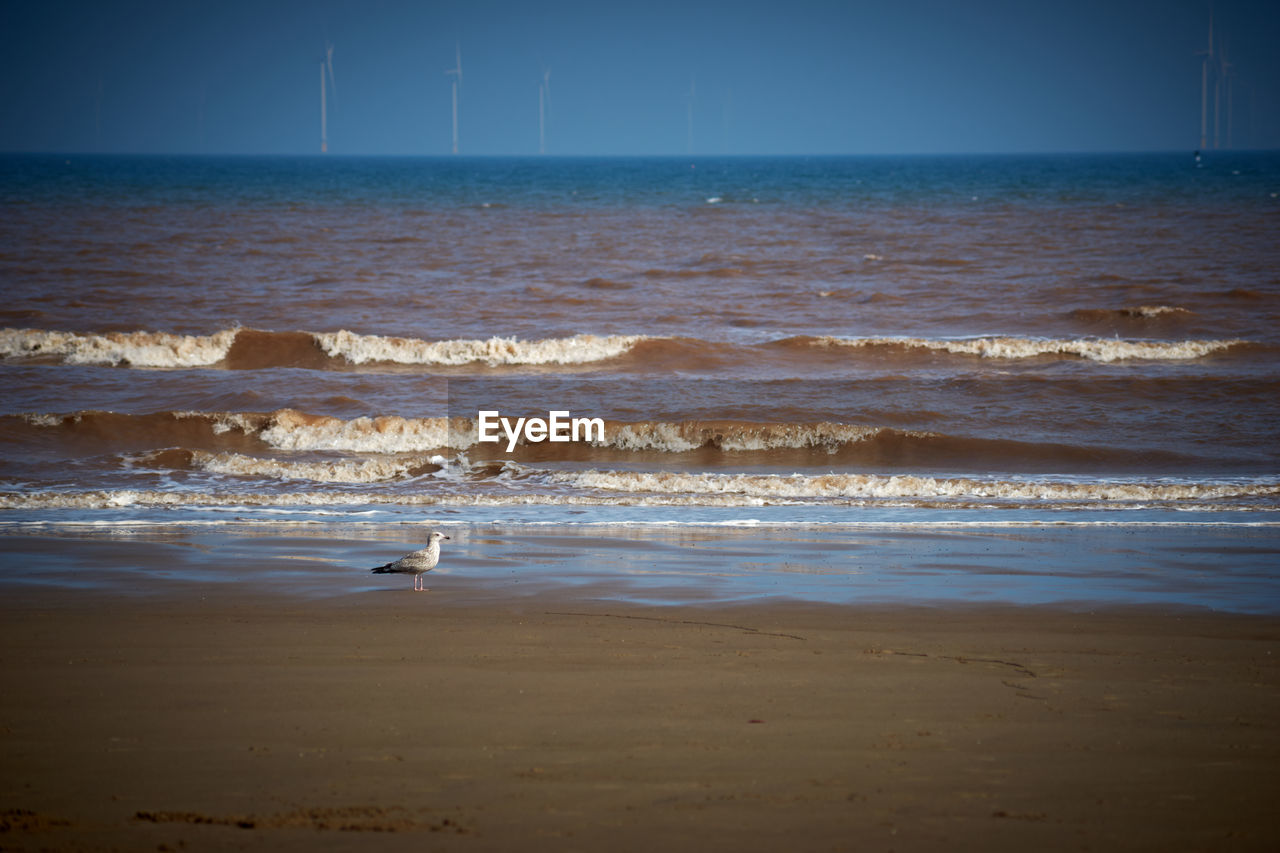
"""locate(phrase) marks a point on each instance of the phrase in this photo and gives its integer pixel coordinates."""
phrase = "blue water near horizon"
(132, 180)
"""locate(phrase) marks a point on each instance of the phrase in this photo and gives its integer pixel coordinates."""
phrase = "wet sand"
(220, 717)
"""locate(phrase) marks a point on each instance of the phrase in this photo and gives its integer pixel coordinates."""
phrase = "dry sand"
(426, 721)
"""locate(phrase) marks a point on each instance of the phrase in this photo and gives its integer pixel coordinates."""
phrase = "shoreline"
(554, 722)
(1227, 568)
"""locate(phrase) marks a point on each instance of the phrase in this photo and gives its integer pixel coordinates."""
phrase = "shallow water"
(1077, 566)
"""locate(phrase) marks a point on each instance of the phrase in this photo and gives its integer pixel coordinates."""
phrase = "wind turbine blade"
(326, 68)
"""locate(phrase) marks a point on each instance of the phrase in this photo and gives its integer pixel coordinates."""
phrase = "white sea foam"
(368, 470)
(713, 491)
(289, 429)
(140, 349)
(579, 349)
(1153, 310)
(810, 486)
(373, 518)
(42, 419)
(1095, 349)
(292, 430)
(124, 498)
(733, 437)
(161, 349)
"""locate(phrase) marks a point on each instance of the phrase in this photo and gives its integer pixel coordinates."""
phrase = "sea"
(1018, 378)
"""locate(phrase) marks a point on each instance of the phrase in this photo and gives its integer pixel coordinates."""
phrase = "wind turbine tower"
(326, 69)
(1225, 72)
(456, 74)
(1217, 103)
(544, 96)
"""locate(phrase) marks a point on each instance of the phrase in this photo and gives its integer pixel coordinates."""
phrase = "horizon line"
(1190, 150)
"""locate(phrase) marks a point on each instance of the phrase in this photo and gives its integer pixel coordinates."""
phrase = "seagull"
(417, 564)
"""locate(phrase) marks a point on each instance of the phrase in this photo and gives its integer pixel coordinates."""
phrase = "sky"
(801, 77)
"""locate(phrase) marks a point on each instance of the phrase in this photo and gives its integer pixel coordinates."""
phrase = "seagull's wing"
(393, 566)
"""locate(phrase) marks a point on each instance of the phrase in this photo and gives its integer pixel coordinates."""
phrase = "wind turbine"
(544, 96)
(692, 96)
(326, 68)
(1224, 81)
(1204, 86)
(456, 74)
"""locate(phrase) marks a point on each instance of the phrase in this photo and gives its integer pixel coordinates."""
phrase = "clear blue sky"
(795, 77)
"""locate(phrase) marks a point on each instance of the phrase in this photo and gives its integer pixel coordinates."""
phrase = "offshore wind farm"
(1219, 126)
(913, 82)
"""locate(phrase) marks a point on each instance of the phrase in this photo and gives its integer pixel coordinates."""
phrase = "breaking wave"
(292, 430)
(712, 442)
(516, 485)
(284, 429)
(359, 470)
(1094, 349)
(288, 429)
(579, 349)
(1152, 311)
(155, 498)
(252, 349)
(1133, 312)
(686, 436)
(137, 349)
(808, 486)
(255, 349)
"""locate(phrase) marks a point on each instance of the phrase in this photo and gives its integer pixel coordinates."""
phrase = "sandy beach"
(222, 717)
